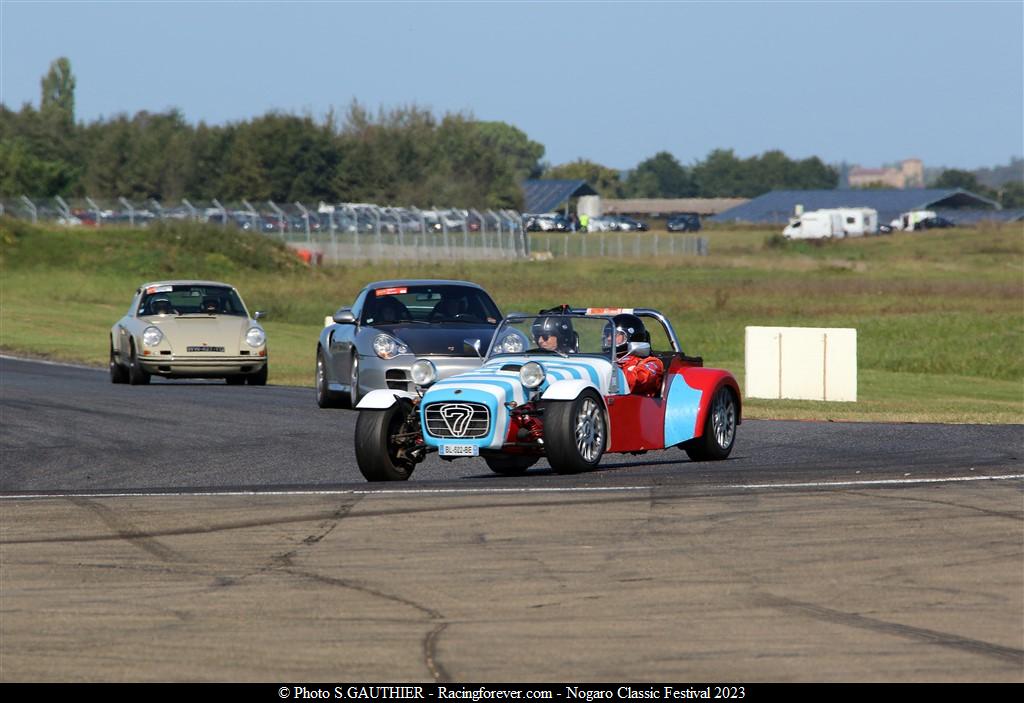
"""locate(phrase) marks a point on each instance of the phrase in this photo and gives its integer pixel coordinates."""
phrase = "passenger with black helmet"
(643, 372)
(554, 333)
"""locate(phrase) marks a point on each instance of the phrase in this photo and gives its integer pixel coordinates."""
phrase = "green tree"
(58, 88)
(660, 176)
(957, 178)
(604, 180)
(1011, 195)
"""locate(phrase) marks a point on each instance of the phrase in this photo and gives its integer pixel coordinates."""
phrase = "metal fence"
(360, 231)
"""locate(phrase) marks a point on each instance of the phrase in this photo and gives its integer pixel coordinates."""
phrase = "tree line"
(400, 156)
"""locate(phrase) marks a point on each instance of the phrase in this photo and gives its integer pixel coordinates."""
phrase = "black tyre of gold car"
(137, 376)
(118, 373)
(379, 439)
(260, 377)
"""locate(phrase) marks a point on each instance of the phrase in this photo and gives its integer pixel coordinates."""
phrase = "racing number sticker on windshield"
(391, 291)
(159, 289)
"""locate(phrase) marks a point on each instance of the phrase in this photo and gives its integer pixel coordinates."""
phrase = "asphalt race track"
(192, 531)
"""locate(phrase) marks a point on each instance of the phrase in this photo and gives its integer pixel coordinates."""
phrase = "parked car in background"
(188, 329)
(936, 222)
(683, 222)
(624, 223)
(548, 222)
(372, 343)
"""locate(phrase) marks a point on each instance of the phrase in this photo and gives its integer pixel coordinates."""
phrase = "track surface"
(196, 531)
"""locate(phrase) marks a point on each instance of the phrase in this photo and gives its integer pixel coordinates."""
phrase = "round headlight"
(387, 347)
(152, 336)
(512, 344)
(531, 374)
(423, 372)
(255, 337)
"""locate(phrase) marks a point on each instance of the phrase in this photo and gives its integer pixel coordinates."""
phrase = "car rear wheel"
(719, 429)
(118, 374)
(510, 465)
(137, 376)
(325, 397)
(379, 435)
(260, 377)
(575, 432)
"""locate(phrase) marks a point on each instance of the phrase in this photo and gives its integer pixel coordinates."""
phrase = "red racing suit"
(643, 374)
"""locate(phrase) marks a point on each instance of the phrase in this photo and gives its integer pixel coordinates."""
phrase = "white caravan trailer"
(817, 224)
(859, 221)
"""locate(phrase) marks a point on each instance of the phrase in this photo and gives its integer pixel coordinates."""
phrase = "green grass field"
(939, 315)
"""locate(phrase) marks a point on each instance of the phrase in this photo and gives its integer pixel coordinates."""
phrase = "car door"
(124, 329)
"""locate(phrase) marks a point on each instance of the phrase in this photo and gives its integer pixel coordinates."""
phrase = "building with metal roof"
(545, 195)
(780, 205)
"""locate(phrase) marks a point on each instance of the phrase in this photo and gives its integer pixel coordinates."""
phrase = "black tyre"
(118, 373)
(719, 429)
(260, 377)
(510, 465)
(575, 433)
(238, 380)
(376, 451)
(325, 398)
(137, 376)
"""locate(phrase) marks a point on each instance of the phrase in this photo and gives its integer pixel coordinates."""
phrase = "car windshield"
(430, 304)
(553, 334)
(190, 299)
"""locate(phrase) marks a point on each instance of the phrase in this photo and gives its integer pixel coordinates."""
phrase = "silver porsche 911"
(188, 329)
(372, 344)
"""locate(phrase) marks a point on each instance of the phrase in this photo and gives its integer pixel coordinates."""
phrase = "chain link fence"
(364, 231)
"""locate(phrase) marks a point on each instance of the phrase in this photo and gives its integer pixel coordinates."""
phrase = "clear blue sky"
(614, 82)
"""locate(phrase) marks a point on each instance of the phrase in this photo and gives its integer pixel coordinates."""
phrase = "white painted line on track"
(47, 362)
(499, 491)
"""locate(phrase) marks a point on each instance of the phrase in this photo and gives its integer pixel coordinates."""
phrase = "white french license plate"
(459, 450)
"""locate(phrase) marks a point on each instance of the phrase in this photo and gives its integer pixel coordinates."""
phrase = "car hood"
(441, 339)
(209, 330)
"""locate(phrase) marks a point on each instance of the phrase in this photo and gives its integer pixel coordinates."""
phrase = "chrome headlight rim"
(255, 337)
(423, 373)
(532, 375)
(152, 336)
(512, 344)
(387, 347)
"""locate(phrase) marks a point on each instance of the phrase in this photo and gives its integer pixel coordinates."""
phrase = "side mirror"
(641, 349)
(475, 343)
(344, 316)
(259, 315)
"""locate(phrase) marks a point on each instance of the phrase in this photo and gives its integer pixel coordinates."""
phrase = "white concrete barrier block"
(801, 363)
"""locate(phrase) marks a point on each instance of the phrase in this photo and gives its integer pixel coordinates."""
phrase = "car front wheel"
(325, 398)
(574, 433)
(260, 377)
(719, 429)
(137, 376)
(383, 438)
(118, 374)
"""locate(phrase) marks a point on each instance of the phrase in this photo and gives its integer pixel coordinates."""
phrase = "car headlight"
(531, 375)
(423, 372)
(255, 337)
(152, 336)
(387, 347)
(512, 344)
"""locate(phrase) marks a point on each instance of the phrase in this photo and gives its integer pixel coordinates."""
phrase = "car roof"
(186, 282)
(420, 282)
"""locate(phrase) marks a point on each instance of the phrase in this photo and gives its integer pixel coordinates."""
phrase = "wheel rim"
(723, 419)
(320, 375)
(589, 430)
(355, 380)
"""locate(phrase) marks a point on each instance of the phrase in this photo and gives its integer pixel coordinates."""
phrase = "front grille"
(457, 420)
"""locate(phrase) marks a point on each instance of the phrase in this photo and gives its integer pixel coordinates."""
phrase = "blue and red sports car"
(571, 404)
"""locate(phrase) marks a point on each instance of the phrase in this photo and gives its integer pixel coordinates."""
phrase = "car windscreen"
(190, 299)
(564, 335)
(430, 304)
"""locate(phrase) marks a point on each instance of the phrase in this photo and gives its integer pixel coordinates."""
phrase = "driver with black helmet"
(643, 373)
(554, 333)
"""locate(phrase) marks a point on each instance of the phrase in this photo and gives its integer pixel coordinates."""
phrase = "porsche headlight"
(423, 372)
(255, 337)
(531, 375)
(512, 344)
(387, 347)
(152, 336)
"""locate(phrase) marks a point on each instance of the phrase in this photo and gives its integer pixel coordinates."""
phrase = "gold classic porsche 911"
(188, 329)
